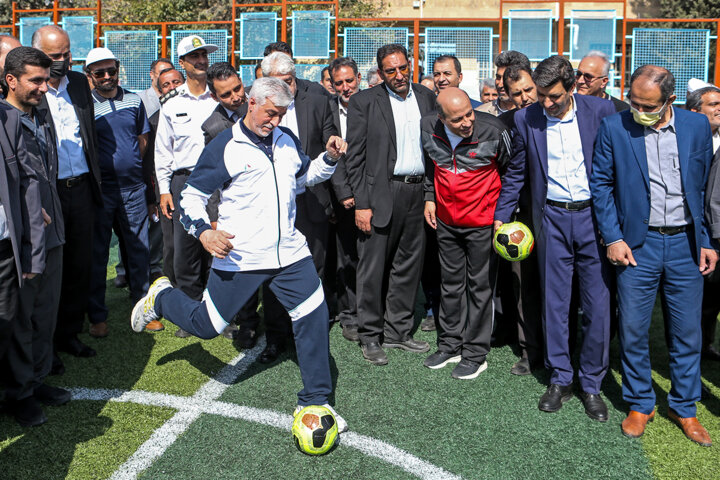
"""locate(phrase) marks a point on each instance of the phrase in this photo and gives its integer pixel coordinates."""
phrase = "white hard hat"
(98, 55)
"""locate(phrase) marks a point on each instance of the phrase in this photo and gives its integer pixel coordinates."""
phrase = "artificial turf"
(486, 428)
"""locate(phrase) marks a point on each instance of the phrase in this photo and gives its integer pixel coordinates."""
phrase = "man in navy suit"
(651, 219)
(552, 148)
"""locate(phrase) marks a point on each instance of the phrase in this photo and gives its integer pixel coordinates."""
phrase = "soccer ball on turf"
(514, 241)
(315, 430)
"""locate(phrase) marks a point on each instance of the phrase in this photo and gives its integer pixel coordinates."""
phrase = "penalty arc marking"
(204, 401)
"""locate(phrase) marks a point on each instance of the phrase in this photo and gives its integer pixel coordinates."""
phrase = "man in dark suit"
(552, 149)
(309, 118)
(69, 105)
(302, 85)
(648, 187)
(29, 357)
(22, 241)
(386, 171)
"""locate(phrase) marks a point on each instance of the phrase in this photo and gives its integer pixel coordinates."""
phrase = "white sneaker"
(341, 423)
(144, 310)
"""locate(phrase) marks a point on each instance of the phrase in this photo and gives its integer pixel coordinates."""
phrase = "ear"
(460, 77)
(11, 81)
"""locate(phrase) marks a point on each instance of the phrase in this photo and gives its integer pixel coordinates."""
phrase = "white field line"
(205, 401)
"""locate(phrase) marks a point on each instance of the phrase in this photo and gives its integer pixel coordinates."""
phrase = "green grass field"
(147, 406)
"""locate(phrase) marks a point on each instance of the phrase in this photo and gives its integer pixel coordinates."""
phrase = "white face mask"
(647, 119)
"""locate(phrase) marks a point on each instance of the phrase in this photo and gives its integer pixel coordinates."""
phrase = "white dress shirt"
(567, 176)
(406, 115)
(342, 113)
(716, 141)
(180, 140)
(289, 120)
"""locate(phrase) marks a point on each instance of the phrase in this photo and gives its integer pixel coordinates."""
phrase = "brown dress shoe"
(692, 429)
(99, 330)
(634, 425)
(155, 326)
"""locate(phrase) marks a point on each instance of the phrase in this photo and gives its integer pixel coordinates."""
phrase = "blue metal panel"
(684, 52)
(309, 72)
(311, 34)
(82, 35)
(530, 32)
(362, 43)
(28, 25)
(247, 74)
(214, 37)
(136, 50)
(256, 31)
(592, 30)
(471, 45)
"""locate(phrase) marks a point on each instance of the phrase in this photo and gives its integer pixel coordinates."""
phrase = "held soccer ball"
(514, 241)
(315, 430)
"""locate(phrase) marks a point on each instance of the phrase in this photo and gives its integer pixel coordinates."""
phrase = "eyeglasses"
(101, 73)
(392, 72)
(588, 78)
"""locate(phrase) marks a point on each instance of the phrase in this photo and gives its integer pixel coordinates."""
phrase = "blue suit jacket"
(622, 201)
(529, 162)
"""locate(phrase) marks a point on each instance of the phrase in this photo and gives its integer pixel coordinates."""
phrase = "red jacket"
(464, 183)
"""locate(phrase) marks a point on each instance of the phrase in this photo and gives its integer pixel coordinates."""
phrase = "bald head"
(653, 80)
(7, 43)
(54, 42)
(455, 111)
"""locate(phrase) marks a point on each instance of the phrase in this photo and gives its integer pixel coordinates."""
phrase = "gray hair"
(603, 56)
(272, 88)
(694, 99)
(277, 63)
(372, 74)
(487, 82)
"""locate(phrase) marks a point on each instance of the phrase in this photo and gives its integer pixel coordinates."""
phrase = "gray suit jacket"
(219, 121)
(20, 197)
(712, 198)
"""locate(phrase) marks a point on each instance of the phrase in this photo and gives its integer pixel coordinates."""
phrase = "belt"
(71, 182)
(571, 206)
(669, 230)
(182, 171)
(408, 178)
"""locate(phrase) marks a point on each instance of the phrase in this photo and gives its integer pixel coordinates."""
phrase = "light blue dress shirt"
(71, 157)
(567, 176)
(406, 115)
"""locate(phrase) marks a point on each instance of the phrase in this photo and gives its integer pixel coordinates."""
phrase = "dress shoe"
(27, 412)
(155, 326)
(554, 397)
(230, 331)
(428, 325)
(692, 429)
(180, 333)
(246, 338)
(595, 407)
(634, 424)
(75, 347)
(53, 396)
(521, 367)
(350, 332)
(710, 353)
(374, 353)
(58, 367)
(120, 281)
(409, 345)
(271, 353)
(98, 330)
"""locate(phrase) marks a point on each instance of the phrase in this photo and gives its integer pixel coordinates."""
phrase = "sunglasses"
(588, 78)
(101, 73)
(392, 73)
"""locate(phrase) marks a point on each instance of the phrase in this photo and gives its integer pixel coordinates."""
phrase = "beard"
(107, 86)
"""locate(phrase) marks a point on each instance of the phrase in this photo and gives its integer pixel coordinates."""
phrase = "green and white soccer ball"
(315, 430)
(514, 241)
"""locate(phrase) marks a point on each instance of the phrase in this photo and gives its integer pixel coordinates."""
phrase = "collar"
(569, 116)
(100, 99)
(61, 87)
(500, 110)
(229, 112)
(253, 137)
(670, 125)
(341, 108)
(398, 97)
(184, 90)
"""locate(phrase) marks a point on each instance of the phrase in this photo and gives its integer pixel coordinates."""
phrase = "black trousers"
(468, 267)
(190, 260)
(430, 279)
(29, 356)
(8, 294)
(710, 309)
(346, 235)
(390, 262)
(78, 212)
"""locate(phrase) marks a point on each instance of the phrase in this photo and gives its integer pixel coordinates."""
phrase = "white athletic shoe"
(341, 423)
(144, 310)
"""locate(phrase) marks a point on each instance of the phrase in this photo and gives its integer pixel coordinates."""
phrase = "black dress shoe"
(350, 332)
(271, 353)
(53, 396)
(374, 353)
(409, 345)
(58, 367)
(180, 333)
(554, 397)
(594, 406)
(710, 353)
(27, 412)
(246, 338)
(75, 347)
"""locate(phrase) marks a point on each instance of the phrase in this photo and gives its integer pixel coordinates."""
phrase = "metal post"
(233, 36)
(622, 63)
(14, 20)
(163, 32)
(283, 33)
(99, 20)
(55, 12)
(561, 28)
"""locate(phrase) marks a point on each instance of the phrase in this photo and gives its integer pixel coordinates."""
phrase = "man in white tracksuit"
(258, 167)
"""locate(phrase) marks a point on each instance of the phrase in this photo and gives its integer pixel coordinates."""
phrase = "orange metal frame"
(56, 12)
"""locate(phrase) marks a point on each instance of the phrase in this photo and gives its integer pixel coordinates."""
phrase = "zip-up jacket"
(257, 197)
(464, 182)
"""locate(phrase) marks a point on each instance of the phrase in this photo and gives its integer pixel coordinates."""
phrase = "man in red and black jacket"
(464, 151)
